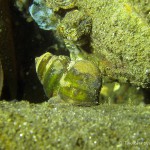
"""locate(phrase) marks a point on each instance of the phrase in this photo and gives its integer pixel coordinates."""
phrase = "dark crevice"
(87, 45)
(62, 12)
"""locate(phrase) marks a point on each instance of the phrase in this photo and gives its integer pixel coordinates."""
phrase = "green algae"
(48, 126)
(120, 40)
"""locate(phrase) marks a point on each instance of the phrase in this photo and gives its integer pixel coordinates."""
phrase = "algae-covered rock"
(114, 34)
(48, 126)
(121, 41)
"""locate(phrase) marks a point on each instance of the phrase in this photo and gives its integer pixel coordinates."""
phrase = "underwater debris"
(43, 15)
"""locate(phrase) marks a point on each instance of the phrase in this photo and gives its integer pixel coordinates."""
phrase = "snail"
(76, 82)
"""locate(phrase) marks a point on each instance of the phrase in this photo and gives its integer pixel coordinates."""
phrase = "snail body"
(77, 82)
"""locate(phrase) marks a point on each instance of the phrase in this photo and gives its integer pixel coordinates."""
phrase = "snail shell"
(77, 82)
(50, 69)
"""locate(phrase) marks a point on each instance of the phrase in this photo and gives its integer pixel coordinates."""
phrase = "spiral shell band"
(58, 65)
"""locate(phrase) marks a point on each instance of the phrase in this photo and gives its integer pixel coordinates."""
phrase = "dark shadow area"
(147, 96)
(29, 42)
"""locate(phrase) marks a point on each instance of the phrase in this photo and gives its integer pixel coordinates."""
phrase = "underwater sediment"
(49, 126)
